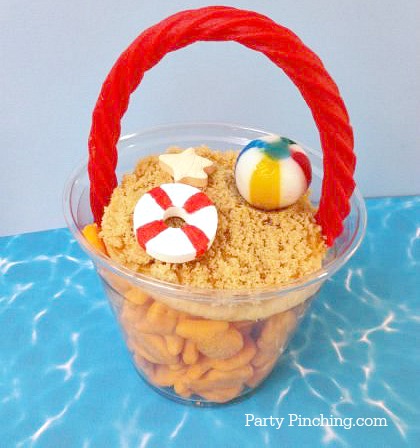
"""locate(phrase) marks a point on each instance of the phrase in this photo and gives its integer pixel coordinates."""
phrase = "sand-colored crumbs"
(252, 248)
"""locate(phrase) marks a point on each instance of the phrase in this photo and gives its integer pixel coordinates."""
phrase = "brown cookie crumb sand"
(252, 248)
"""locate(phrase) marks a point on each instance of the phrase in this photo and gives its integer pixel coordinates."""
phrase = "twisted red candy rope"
(255, 31)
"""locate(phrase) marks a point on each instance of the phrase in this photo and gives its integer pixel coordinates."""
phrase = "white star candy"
(187, 167)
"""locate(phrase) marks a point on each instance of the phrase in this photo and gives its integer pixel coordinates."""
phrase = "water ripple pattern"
(67, 381)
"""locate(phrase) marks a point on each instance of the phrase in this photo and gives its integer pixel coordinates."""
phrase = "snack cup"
(204, 346)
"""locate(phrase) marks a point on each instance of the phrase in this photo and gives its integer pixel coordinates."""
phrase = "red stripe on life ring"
(197, 202)
(148, 231)
(197, 237)
(161, 197)
(302, 160)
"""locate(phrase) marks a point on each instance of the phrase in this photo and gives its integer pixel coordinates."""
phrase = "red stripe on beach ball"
(302, 160)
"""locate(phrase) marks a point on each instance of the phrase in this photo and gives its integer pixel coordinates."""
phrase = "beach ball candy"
(272, 172)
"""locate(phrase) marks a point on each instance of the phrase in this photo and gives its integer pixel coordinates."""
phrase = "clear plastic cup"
(194, 345)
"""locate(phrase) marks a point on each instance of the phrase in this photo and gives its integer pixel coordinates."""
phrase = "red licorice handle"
(259, 33)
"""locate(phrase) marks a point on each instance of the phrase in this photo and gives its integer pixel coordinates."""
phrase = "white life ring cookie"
(170, 244)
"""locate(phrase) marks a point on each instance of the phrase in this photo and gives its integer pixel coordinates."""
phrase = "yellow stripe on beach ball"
(264, 186)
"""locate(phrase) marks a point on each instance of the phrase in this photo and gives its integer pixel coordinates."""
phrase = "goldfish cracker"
(276, 330)
(215, 339)
(163, 317)
(144, 326)
(91, 233)
(223, 345)
(222, 395)
(171, 312)
(130, 328)
(118, 284)
(264, 356)
(181, 388)
(144, 365)
(273, 338)
(132, 314)
(128, 314)
(137, 311)
(190, 353)
(198, 329)
(241, 358)
(154, 345)
(198, 369)
(140, 351)
(164, 377)
(179, 366)
(183, 315)
(137, 296)
(260, 373)
(156, 321)
(244, 326)
(174, 343)
(217, 379)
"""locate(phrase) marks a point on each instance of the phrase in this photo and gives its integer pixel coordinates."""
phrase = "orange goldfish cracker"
(260, 373)
(91, 233)
(190, 352)
(181, 388)
(172, 313)
(174, 343)
(222, 395)
(178, 366)
(161, 327)
(165, 377)
(155, 346)
(223, 345)
(140, 351)
(116, 282)
(242, 358)
(127, 315)
(128, 311)
(199, 368)
(265, 356)
(276, 330)
(244, 326)
(143, 364)
(132, 313)
(128, 323)
(198, 329)
(216, 379)
(137, 296)
(160, 315)
(273, 346)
